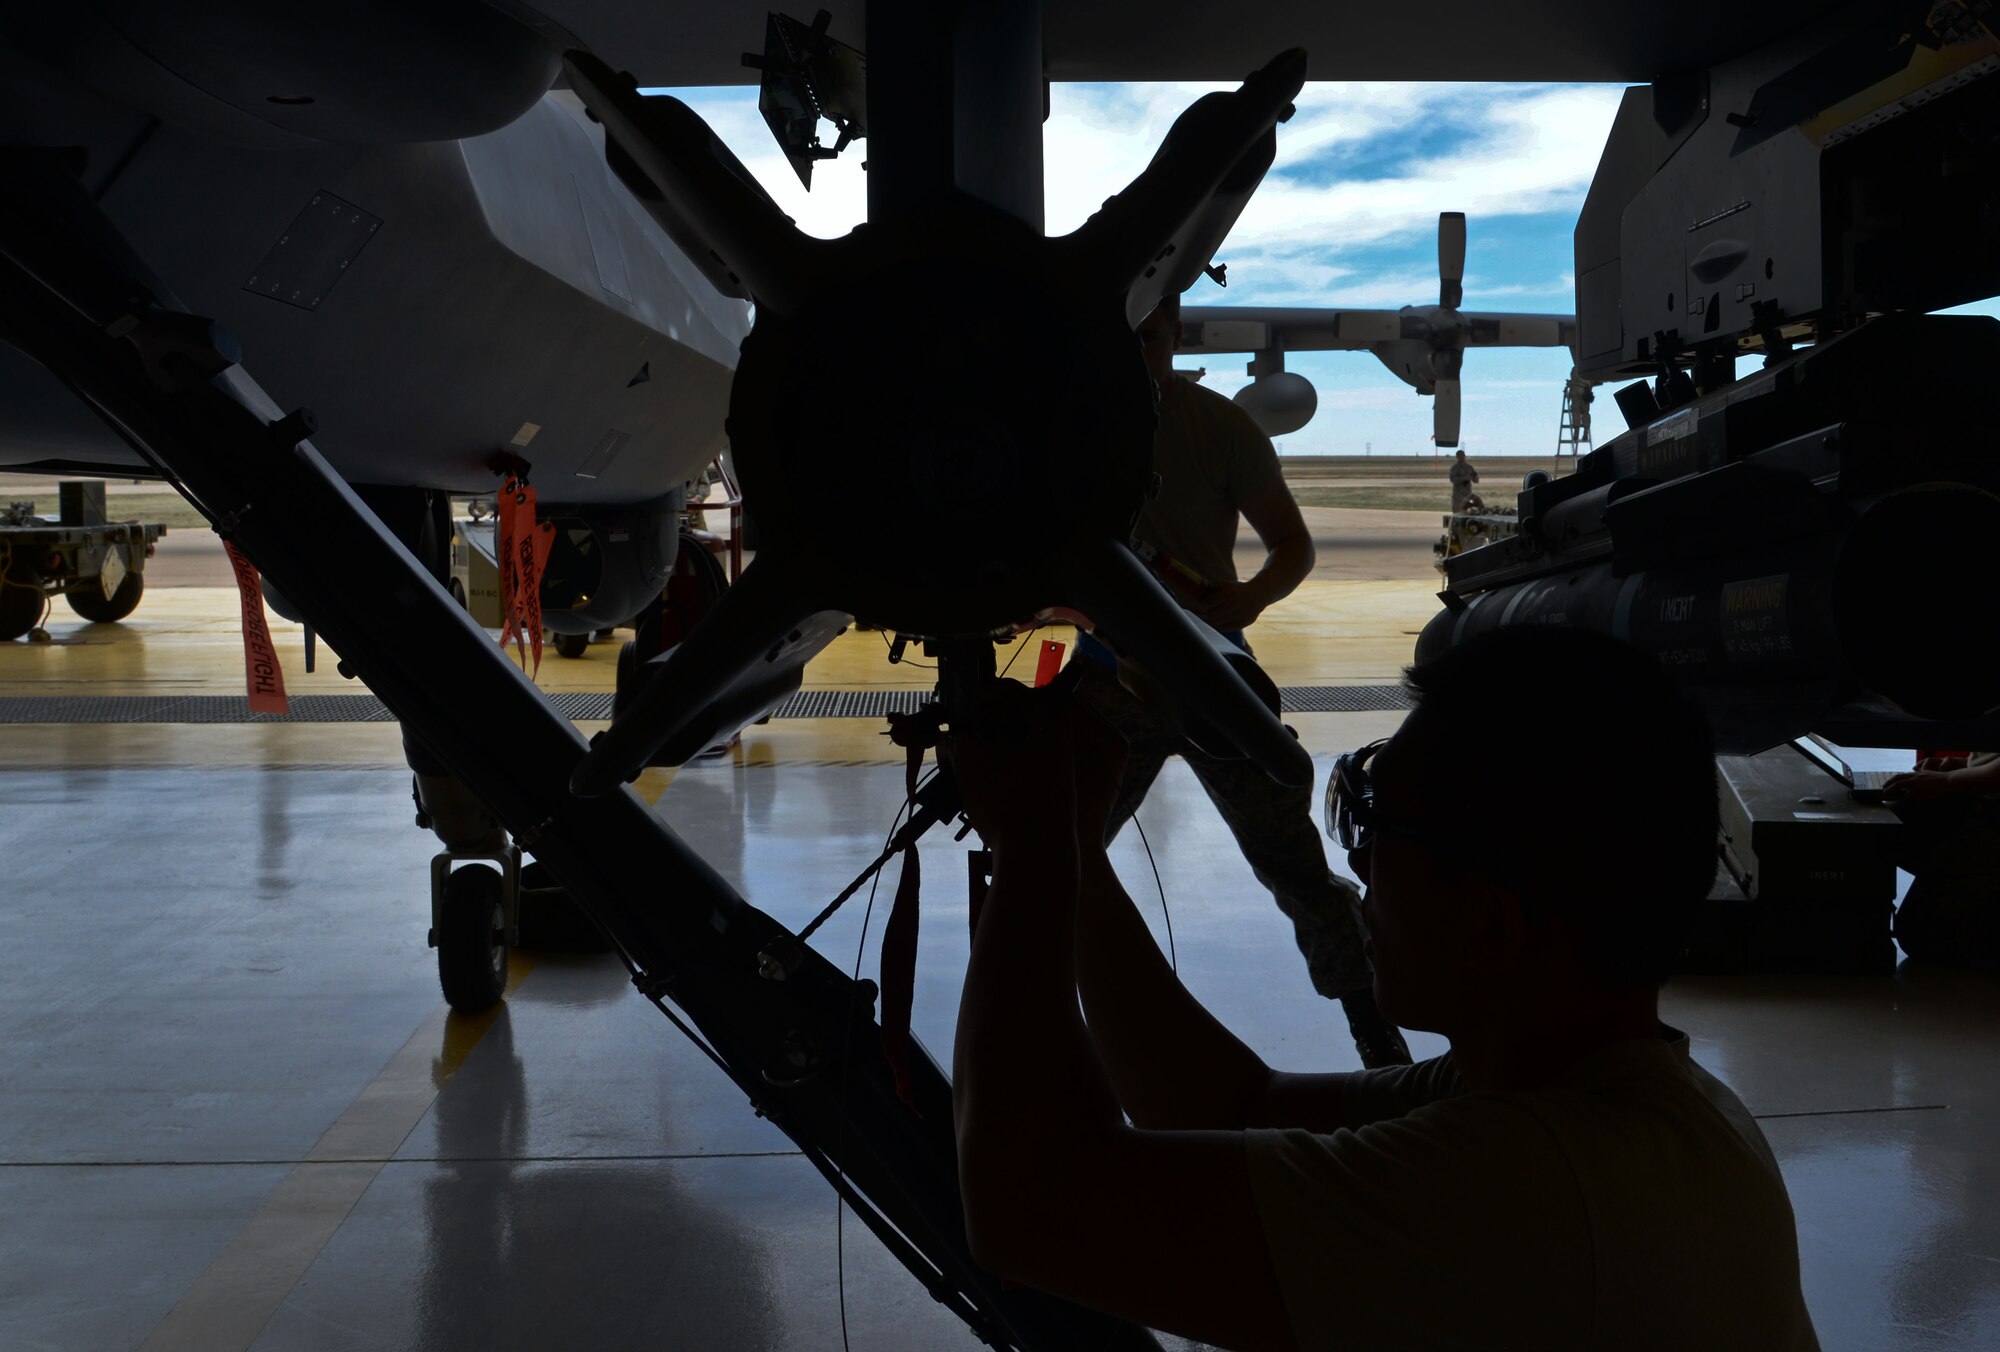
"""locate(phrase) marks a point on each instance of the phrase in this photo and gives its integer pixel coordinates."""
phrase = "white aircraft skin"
(508, 297)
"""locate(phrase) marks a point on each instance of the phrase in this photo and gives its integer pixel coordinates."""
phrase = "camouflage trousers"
(1273, 826)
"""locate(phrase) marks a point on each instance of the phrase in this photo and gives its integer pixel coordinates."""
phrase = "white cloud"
(1532, 150)
(1533, 153)
(1326, 236)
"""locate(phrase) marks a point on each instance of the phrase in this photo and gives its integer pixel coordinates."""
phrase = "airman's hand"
(1012, 759)
(1919, 786)
(1232, 606)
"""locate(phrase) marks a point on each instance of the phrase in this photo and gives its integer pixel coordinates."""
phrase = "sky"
(1347, 217)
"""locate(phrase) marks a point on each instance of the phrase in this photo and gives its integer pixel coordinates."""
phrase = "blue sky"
(1346, 217)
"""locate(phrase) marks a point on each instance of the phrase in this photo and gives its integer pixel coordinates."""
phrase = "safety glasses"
(1354, 822)
(1351, 818)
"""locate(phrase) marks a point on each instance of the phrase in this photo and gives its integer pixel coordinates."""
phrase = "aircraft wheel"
(95, 606)
(572, 645)
(472, 940)
(21, 604)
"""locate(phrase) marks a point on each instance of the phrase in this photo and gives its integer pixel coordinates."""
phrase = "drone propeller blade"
(695, 188)
(757, 622)
(1109, 584)
(1218, 149)
(1451, 258)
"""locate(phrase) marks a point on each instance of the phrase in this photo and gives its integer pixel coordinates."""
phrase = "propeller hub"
(888, 436)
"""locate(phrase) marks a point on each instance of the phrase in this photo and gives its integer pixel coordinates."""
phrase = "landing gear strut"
(804, 1049)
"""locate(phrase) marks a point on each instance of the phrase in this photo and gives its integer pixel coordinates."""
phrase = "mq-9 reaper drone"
(76, 298)
(954, 105)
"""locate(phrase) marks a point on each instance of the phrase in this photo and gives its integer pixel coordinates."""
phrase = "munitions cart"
(95, 564)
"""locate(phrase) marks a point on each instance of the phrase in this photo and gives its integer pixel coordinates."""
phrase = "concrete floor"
(233, 1112)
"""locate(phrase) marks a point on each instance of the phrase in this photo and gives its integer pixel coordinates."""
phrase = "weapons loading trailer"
(1793, 546)
(98, 565)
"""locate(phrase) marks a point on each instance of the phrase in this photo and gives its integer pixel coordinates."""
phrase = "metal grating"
(581, 705)
(1342, 699)
(584, 705)
(851, 703)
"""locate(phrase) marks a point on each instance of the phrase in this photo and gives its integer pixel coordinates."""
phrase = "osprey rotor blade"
(1445, 416)
(1451, 258)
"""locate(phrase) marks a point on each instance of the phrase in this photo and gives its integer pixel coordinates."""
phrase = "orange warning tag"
(524, 553)
(262, 674)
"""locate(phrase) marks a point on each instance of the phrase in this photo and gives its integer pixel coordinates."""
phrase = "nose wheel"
(472, 938)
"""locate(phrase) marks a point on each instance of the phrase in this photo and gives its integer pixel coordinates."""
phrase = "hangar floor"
(235, 1113)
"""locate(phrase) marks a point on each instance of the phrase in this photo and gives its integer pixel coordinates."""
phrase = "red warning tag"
(524, 553)
(262, 674)
(1050, 661)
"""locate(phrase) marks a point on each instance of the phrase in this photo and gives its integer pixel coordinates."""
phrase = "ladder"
(1573, 433)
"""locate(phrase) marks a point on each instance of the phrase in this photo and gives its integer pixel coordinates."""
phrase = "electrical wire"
(847, 1043)
(1022, 646)
(1173, 959)
(846, 1048)
(890, 648)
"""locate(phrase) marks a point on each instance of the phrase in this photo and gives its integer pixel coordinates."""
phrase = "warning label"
(1754, 624)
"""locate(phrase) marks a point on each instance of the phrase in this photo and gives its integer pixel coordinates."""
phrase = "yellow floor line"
(231, 1302)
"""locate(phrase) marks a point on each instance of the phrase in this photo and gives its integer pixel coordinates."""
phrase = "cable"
(1022, 647)
(700, 1042)
(1173, 959)
(874, 869)
(846, 1049)
(890, 648)
(838, 1173)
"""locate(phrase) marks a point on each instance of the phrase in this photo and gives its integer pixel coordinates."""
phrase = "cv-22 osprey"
(954, 103)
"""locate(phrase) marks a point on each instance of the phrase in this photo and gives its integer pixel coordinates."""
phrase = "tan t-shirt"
(1636, 1206)
(1210, 456)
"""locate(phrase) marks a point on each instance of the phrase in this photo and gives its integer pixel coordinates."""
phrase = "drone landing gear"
(804, 1048)
(473, 930)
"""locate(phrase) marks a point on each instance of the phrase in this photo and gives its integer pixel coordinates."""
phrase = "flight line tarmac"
(237, 1114)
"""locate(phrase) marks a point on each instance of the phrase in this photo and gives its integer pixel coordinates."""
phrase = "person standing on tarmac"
(1463, 477)
(1215, 463)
